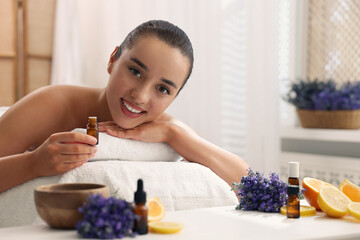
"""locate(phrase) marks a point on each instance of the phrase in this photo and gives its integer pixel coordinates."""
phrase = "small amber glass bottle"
(92, 128)
(140, 210)
(293, 204)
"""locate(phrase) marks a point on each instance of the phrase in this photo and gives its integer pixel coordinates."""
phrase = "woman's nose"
(141, 94)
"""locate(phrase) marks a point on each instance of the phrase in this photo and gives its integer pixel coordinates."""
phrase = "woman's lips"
(130, 110)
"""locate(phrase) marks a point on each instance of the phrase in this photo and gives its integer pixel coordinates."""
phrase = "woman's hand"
(155, 131)
(62, 152)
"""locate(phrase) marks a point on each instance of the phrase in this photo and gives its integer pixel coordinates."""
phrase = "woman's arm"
(16, 169)
(193, 148)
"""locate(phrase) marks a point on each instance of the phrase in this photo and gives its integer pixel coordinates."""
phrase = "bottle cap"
(293, 169)
(293, 189)
(140, 195)
(93, 120)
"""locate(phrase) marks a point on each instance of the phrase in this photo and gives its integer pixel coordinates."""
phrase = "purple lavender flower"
(260, 193)
(324, 95)
(106, 218)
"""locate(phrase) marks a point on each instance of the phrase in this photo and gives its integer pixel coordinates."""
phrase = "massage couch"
(119, 163)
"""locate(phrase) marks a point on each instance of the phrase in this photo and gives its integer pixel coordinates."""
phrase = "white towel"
(17, 205)
(113, 148)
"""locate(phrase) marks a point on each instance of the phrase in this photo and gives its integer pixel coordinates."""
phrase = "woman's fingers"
(130, 134)
(75, 158)
(109, 123)
(72, 137)
(105, 125)
(64, 151)
(112, 127)
(146, 132)
(77, 148)
(71, 165)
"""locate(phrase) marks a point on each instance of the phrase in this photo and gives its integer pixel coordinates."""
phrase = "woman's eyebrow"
(171, 83)
(140, 63)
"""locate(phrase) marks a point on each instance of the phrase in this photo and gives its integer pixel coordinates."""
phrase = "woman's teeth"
(130, 108)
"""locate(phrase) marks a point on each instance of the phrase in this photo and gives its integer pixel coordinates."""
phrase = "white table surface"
(221, 223)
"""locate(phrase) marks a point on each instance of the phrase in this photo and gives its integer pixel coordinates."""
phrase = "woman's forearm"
(193, 148)
(15, 170)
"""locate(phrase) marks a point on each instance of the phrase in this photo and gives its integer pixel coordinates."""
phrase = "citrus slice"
(351, 190)
(312, 187)
(165, 227)
(305, 211)
(333, 202)
(156, 210)
(354, 209)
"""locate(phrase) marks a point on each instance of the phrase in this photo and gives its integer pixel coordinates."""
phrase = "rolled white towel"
(113, 148)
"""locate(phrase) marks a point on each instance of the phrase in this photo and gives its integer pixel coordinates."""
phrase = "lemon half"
(333, 202)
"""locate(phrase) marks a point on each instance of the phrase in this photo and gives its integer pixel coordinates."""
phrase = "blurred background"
(247, 52)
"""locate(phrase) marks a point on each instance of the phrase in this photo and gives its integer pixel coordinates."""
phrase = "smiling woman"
(147, 71)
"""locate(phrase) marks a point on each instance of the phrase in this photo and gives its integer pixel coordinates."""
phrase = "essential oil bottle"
(293, 173)
(92, 128)
(140, 210)
(293, 204)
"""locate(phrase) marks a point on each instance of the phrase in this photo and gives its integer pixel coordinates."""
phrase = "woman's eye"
(164, 90)
(135, 72)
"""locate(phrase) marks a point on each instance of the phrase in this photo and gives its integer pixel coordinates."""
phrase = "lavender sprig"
(257, 192)
(106, 218)
(324, 95)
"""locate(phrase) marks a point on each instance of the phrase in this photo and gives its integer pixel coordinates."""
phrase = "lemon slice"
(333, 202)
(165, 227)
(305, 211)
(354, 209)
(156, 210)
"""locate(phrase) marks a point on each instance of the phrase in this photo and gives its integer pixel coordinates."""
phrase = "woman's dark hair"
(165, 31)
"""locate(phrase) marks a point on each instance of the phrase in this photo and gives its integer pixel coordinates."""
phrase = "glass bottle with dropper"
(293, 203)
(140, 210)
(92, 128)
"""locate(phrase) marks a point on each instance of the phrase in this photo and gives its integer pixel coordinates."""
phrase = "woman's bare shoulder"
(36, 116)
(63, 90)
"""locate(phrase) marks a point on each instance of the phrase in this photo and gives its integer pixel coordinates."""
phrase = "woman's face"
(144, 81)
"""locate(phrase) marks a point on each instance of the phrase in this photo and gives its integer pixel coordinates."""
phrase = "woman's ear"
(112, 60)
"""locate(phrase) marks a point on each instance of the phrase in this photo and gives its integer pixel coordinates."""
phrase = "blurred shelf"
(333, 135)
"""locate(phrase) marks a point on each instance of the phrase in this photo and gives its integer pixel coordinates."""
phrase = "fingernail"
(94, 149)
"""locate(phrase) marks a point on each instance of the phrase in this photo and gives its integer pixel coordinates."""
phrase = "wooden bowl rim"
(54, 188)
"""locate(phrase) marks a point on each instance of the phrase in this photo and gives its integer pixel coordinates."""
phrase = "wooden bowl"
(57, 204)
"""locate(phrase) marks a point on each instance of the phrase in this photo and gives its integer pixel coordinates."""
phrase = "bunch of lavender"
(106, 218)
(260, 193)
(324, 95)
